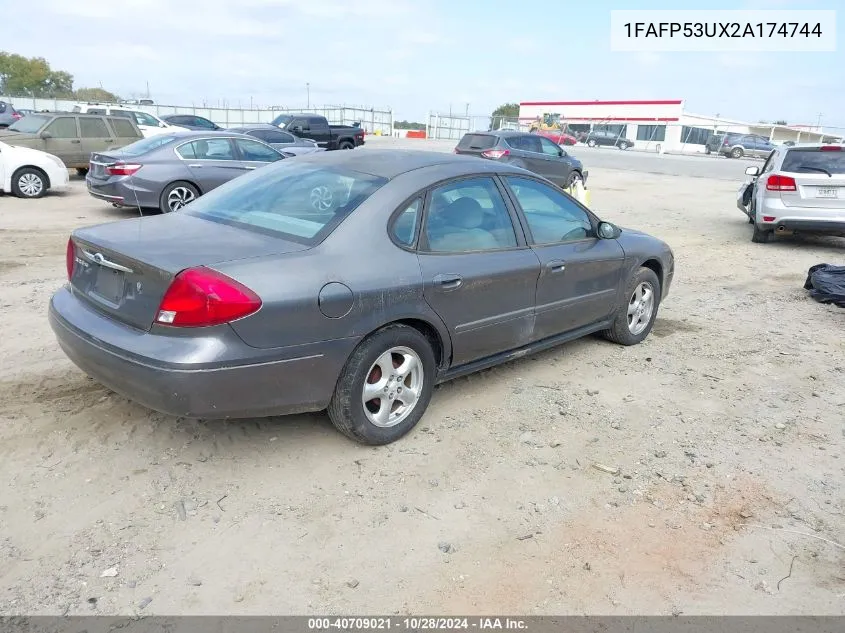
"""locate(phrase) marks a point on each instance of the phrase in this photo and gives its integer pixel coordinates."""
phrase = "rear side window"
(812, 160)
(123, 128)
(146, 144)
(477, 141)
(300, 201)
(93, 128)
(404, 229)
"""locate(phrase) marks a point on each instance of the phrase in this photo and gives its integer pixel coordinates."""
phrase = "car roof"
(392, 163)
(256, 126)
(812, 146)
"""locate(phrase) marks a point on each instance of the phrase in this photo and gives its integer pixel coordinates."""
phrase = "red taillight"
(830, 148)
(70, 258)
(199, 297)
(17, 115)
(122, 169)
(495, 154)
(769, 218)
(780, 183)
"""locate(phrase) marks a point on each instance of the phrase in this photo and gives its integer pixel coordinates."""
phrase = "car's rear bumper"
(208, 374)
(124, 191)
(775, 215)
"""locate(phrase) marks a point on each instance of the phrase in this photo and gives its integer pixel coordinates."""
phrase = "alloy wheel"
(179, 197)
(30, 184)
(393, 387)
(640, 308)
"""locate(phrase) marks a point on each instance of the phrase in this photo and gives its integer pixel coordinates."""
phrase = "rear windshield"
(813, 160)
(29, 124)
(147, 144)
(282, 120)
(300, 202)
(477, 141)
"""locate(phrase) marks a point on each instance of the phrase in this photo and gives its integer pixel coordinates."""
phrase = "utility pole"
(308, 91)
(467, 113)
(819, 122)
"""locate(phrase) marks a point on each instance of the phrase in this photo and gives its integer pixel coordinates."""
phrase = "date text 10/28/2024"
(416, 624)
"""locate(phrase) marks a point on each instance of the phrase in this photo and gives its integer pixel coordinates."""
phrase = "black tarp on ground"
(826, 284)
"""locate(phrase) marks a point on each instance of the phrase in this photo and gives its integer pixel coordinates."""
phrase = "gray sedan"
(168, 171)
(281, 140)
(348, 282)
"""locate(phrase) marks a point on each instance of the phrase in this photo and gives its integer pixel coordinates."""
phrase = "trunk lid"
(476, 144)
(819, 175)
(99, 162)
(124, 268)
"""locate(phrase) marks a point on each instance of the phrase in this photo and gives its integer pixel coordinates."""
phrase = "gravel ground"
(700, 472)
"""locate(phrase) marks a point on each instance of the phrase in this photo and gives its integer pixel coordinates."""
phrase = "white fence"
(374, 121)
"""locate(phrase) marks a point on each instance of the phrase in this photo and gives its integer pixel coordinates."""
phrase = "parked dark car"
(737, 145)
(606, 139)
(8, 114)
(191, 122)
(168, 171)
(281, 140)
(318, 129)
(348, 282)
(533, 152)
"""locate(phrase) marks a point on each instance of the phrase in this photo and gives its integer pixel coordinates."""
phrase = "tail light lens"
(200, 297)
(17, 115)
(70, 258)
(495, 154)
(780, 183)
(122, 169)
(830, 148)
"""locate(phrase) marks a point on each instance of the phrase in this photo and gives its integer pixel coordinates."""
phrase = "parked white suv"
(149, 124)
(798, 189)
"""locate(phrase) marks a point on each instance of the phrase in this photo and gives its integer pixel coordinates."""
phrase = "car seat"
(460, 229)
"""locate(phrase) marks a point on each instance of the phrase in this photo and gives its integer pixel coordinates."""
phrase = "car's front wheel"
(736, 152)
(624, 145)
(346, 145)
(574, 177)
(29, 182)
(385, 386)
(176, 195)
(591, 142)
(635, 318)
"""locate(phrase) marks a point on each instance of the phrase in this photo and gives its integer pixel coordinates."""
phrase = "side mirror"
(560, 152)
(296, 129)
(162, 124)
(46, 135)
(608, 231)
(752, 171)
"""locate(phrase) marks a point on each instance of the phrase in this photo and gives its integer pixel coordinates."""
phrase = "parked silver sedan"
(281, 140)
(798, 189)
(168, 171)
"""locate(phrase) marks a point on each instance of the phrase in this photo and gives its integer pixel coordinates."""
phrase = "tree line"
(32, 77)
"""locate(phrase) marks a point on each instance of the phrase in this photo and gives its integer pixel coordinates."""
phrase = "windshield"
(147, 144)
(300, 202)
(812, 159)
(282, 120)
(30, 124)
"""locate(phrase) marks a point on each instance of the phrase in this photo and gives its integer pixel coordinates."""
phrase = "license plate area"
(827, 192)
(109, 285)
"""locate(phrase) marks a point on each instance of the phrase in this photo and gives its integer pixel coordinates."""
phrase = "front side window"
(549, 148)
(142, 118)
(552, 216)
(62, 127)
(207, 149)
(302, 202)
(466, 216)
(257, 152)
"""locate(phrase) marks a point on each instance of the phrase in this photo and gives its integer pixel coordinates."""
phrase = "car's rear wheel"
(591, 142)
(574, 177)
(635, 318)
(346, 145)
(176, 195)
(624, 145)
(736, 152)
(29, 182)
(760, 235)
(385, 386)
(82, 171)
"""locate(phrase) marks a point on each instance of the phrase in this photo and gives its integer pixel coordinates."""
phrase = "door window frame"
(594, 220)
(64, 138)
(239, 155)
(419, 245)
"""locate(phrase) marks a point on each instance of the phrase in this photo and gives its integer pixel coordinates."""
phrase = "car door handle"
(109, 140)
(556, 266)
(448, 282)
(75, 140)
(194, 165)
(248, 167)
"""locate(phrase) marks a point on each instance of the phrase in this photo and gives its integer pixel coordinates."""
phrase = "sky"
(413, 56)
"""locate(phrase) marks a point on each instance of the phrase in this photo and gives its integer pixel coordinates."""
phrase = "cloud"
(648, 58)
(739, 61)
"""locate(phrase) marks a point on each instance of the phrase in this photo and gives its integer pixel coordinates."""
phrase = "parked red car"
(556, 136)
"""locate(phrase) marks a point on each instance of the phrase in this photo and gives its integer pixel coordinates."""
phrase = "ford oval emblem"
(139, 287)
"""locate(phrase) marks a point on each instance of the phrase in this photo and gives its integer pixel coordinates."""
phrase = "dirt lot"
(726, 425)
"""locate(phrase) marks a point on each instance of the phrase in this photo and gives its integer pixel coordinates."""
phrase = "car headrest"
(465, 213)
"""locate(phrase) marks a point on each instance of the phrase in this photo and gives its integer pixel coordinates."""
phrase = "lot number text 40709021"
(416, 624)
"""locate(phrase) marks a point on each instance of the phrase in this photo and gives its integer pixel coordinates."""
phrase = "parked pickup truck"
(317, 128)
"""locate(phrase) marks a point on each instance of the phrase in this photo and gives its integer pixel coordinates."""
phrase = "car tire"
(176, 195)
(82, 171)
(737, 152)
(29, 182)
(591, 142)
(636, 316)
(760, 235)
(574, 176)
(624, 145)
(346, 145)
(359, 419)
